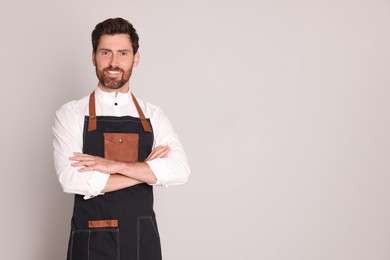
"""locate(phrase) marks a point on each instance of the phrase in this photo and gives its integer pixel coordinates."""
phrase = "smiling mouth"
(113, 72)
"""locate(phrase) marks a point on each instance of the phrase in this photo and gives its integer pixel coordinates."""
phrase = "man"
(110, 149)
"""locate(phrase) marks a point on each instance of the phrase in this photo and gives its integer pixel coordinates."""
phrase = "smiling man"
(110, 149)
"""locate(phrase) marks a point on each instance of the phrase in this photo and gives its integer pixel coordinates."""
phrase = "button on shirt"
(68, 135)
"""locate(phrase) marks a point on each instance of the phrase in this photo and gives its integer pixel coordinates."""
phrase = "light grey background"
(282, 106)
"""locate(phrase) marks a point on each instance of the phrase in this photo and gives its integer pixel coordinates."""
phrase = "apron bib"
(118, 225)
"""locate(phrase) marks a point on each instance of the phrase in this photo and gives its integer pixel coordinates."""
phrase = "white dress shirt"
(68, 138)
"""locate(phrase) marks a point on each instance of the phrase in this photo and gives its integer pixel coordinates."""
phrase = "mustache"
(113, 68)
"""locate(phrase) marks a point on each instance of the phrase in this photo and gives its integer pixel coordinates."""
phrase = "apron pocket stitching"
(88, 232)
(71, 246)
(139, 219)
(151, 221)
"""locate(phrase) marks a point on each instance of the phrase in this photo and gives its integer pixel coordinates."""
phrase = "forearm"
(117, 182)
(139, 171)
(136, 170)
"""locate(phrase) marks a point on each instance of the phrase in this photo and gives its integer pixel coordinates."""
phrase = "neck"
(124, 89)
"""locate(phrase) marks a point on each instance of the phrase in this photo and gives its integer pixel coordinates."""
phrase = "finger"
(76, 164)
(84, 163)
(152, 153)
(85, 169)
(82, 159)
(159, 152)
(163, 153)
(76, 158)
(80, 154)
(83, 155)
(159, 148)
(156, 151)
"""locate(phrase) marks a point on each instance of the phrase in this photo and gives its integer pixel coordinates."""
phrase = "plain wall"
(282, 107)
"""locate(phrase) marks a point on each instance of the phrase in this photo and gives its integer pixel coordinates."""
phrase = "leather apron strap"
(144, 122)
(92, 114)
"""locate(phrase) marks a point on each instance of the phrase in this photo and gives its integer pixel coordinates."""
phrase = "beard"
(112, 81)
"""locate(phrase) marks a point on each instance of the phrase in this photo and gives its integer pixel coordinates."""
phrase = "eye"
(105, 53)
(123, 53)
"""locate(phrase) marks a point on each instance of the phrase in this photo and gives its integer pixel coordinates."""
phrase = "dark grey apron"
(118, 225)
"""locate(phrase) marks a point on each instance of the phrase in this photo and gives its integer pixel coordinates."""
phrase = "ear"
(136, 59)
(93, 58)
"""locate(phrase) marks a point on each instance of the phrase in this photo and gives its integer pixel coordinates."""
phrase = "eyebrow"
(104, 49)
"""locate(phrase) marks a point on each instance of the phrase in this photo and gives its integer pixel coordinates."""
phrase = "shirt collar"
(111, 97)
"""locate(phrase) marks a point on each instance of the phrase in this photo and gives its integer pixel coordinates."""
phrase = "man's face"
(114, 60)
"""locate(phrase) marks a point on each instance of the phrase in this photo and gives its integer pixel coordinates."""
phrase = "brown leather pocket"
(121, 147)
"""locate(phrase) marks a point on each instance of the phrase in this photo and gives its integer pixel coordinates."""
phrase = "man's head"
(115, 53)
(113, 26)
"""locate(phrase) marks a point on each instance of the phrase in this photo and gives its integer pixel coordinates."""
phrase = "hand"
(159, 152)
(91, 163)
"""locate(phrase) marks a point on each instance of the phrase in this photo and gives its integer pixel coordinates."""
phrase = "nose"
(113, 62)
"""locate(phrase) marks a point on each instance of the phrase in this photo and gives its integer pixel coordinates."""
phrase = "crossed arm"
(122, 174)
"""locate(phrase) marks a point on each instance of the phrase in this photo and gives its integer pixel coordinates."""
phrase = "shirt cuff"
(154, 166)
(97, 182)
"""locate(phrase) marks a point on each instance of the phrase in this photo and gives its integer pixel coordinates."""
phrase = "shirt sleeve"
(68, 131)
(173, 169)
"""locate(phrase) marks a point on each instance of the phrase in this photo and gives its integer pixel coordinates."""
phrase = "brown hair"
(113, 26)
